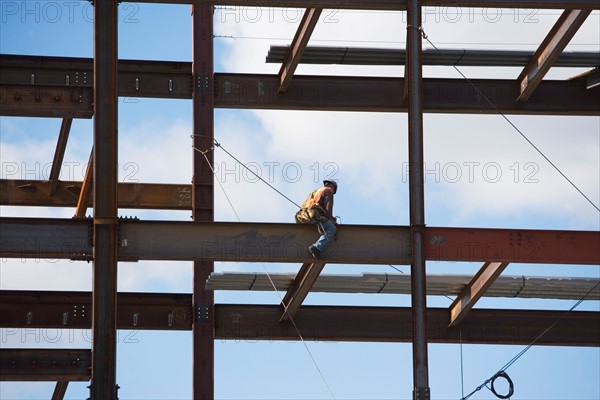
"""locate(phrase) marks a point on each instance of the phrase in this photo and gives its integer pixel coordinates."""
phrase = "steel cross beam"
(87, 189)
(394, 5)
(555, 42)
(59, 390)
(162, 311)
(301, 286)
(45, 365)
(27, 100)
(301, 38)
(156, 196)
(474, 290)
(269, 242)
(59, 154)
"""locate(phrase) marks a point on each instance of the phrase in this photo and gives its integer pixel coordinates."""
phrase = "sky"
(479, 173)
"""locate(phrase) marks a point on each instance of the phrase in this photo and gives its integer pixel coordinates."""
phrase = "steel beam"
(323, 323)
(59, 390)
(45, 365)
(555, 42)
(301, 286)
(454, 96)
(301, 38)
(105, 251)
(73, 310)
(514, 286)
(45, 101)
(394, 324)
(343, 55)
(414, 82)
(87, 189)
(268, 242)
(156, 196)
(512, 245)
(395, 5)
(203, 103)
(314, 92)
(59, 154)
(474, 290)
(137, 78)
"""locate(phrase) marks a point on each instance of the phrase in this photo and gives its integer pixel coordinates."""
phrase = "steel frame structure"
(105, 239)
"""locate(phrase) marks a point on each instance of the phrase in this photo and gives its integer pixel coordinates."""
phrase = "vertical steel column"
(417, 203)
(104, 351)
(203, 196)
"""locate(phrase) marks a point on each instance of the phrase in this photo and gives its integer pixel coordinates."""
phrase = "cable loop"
(511, 386)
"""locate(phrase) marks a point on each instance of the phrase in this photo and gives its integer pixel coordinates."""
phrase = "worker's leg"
(328, 228)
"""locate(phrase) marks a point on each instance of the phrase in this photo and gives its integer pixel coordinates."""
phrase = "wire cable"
(502, 371)
(512, 124)
(313, 359)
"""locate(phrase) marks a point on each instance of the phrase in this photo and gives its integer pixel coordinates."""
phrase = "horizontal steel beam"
(73, 310)
(454, 96)
(448, 57)
(390, 5)
(45, 365)
(512, 245)
(137, 78)
(326, 323)
(328, 93)
(45, 101)
(394, 324)
(437, 285)
(130, 195)
(269, 242)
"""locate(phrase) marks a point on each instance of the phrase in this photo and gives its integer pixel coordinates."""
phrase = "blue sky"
(509, 186)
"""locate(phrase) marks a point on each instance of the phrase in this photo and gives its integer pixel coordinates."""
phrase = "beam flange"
(45, 365)
(290, 63)
(555, 42)
(301, 286)
(474, 290)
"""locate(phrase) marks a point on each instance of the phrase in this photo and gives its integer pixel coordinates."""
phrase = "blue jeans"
(329, 230)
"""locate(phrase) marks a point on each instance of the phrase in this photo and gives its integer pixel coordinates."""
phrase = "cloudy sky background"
(482, 173)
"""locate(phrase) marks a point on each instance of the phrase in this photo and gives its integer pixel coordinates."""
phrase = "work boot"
(314, 251)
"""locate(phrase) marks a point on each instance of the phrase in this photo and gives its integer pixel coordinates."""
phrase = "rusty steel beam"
(394, 5)
(45, 101)
(155, 196)
(394, 324)
(203, 104)
(261, 322)
(105, 159)
(87, 189)
(269, 242)
(45, 365)
(59, 390)
(455, 96)
(290, 63)
(59, 154)
(137, 78)
(73, 310)
(474, 290)
(331, 93)
(299, 289)
(552, 46)
(512, 245)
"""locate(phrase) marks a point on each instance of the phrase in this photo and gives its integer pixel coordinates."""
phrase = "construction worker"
(318, 209)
